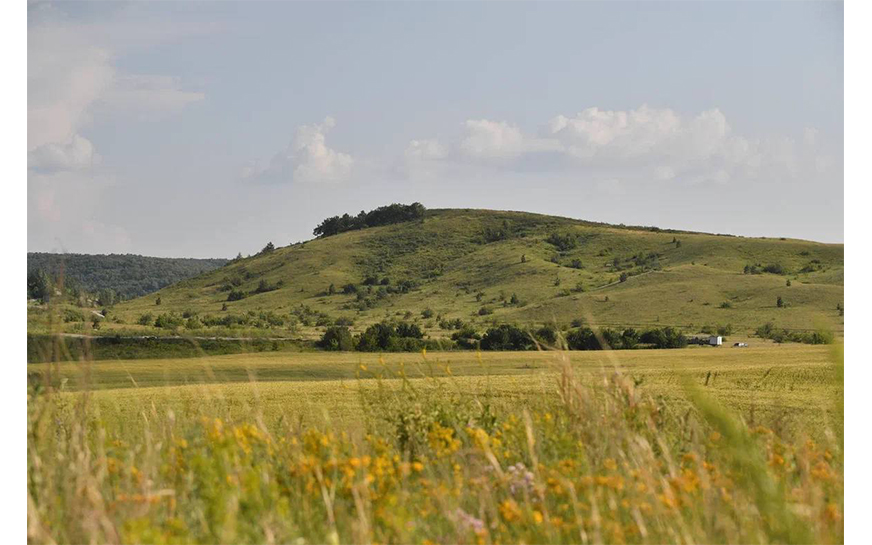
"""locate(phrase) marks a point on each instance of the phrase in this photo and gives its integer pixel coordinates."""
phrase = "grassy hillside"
(127, 275)
(488, 266)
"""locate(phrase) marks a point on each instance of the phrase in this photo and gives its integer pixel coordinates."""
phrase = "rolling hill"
(485, 267)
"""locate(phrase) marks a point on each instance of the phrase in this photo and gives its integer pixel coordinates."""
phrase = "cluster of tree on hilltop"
(383, 215)
(125, 275)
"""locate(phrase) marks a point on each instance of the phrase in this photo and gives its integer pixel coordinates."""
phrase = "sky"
(207, 129)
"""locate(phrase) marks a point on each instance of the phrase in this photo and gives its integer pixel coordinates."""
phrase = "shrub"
(376, 337)
(506, 337)
(336, 338)
(427, 313)
(484, 311)
(547, 335)
(466, 337)
(666, 337)
(563, 242)
(145, 319)
(409, 330)
(774, 268)
(582, 338)
(71, 315)
(264, 286)
(168, 321)
(236, 295)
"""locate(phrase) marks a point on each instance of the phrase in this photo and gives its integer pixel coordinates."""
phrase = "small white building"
(716, 340)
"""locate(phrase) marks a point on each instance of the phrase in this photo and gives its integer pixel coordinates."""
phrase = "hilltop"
(483, 267)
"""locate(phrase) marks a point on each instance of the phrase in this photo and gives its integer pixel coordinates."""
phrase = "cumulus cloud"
(657, 144)
(308, 159)
(491, 139)
(75, 154)
(425, 150)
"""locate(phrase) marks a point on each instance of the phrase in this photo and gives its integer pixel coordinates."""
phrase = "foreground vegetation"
(588, 450)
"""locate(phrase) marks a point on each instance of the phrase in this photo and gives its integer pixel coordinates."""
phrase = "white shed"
(716, 340)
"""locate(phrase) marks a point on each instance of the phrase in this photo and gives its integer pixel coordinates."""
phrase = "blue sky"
(209, 128)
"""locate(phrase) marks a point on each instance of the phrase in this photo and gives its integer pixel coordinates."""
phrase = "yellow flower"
(510, 511)
(537, 517)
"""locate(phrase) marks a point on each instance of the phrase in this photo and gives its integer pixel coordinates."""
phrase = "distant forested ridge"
(383, 215)
(126, 275)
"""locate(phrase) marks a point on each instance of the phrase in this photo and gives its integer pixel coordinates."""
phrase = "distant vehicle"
(740, 345)
(716, 340)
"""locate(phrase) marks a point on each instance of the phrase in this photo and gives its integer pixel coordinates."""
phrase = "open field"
(792, 382)
(595, 447)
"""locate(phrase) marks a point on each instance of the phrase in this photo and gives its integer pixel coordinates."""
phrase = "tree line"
(383, 215)
(125, 275)
(405, 337)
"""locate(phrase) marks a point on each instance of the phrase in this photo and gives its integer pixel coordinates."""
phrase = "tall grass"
(599, 461)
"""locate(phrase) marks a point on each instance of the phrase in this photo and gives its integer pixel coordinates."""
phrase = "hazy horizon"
(208, 129)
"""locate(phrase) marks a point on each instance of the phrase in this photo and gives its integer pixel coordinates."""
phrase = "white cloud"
(308, 159)
(653, 144)
(499, 140)
(491, 139)
(425, 150)
(75, 154)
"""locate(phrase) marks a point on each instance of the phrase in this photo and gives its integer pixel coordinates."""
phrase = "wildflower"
(469, 522)
(520, 479)
(776, 460)
(510, 511)
(442, 440)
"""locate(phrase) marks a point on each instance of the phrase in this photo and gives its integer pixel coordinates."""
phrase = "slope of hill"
(487, 267)
(127, 274)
